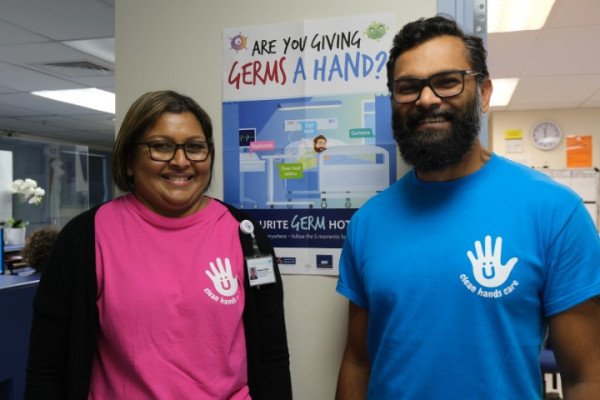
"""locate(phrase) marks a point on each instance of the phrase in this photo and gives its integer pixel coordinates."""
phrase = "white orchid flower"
(28, 191)
(16, 185)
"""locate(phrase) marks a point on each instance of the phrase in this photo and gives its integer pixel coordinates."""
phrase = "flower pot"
(14, 236)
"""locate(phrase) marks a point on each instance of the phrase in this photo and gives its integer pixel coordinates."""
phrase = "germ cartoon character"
(376, 30)
(239, 42)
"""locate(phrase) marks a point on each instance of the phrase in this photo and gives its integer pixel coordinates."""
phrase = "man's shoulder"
(380, 201)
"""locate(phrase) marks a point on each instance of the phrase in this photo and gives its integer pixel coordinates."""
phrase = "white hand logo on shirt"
(222, 278)
(487, 267)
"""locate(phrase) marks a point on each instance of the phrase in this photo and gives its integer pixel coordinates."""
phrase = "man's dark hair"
(424, 29)
(319, 137)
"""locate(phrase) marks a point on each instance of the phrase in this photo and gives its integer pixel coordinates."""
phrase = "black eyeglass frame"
(177, 147)
(427, 82)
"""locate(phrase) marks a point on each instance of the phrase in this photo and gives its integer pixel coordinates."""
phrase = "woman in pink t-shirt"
(148, 296)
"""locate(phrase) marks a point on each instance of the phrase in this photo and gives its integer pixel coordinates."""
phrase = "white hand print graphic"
(223, 280)
(487, 267)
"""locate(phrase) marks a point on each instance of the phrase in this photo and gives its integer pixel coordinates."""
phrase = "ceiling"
(558, 66)
(31, 36)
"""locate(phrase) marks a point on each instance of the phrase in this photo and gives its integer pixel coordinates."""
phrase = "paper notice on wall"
(579, 151)
(513, 146)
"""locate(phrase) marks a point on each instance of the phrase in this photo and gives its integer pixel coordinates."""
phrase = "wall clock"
(545, 135)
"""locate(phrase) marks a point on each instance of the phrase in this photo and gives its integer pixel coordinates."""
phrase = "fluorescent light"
(517, 15)
(93, 98)
(502, 91)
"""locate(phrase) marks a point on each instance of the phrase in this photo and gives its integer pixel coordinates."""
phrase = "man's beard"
(434, 149)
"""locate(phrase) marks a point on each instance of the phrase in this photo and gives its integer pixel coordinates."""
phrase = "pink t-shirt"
(170, 298)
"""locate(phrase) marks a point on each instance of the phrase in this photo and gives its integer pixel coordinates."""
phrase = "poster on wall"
(579, 151)
(306, 130)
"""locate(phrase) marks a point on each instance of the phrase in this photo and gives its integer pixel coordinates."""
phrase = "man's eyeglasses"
(165, 151)
(443, 84)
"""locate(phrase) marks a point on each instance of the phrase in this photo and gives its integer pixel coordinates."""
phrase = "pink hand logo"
(222, 278)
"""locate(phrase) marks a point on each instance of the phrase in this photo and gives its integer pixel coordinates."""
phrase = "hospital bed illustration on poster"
(343, 171)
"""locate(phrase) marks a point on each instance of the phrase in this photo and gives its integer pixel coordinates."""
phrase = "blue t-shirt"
(459, 279)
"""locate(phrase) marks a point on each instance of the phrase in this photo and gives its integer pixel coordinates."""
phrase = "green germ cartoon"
(376, 30)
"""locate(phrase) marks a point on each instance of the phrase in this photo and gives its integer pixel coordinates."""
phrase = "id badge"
(260, 270)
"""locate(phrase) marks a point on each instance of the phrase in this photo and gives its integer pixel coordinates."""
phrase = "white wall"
(584, 122)
(177, 45)
(6, 178)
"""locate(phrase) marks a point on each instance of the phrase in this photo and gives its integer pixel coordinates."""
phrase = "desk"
(8, 282)
(16, 310)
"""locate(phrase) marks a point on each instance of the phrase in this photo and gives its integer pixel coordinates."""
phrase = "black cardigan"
(65, 320)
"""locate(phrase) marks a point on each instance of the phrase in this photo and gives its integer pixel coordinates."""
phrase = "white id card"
(260, 270)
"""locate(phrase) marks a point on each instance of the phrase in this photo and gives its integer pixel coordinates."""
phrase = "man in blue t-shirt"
(456, 272)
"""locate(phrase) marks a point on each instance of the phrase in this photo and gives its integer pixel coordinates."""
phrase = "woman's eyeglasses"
(165, 151)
